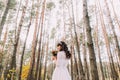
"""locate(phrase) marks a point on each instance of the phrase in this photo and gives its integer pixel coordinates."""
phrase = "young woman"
(63, 55)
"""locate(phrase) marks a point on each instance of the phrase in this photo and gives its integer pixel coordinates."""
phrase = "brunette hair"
(64, 48)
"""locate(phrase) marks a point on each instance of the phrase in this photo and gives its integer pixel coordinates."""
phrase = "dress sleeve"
(61, 59)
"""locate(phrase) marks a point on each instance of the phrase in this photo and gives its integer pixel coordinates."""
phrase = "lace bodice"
(61, 71)
(61, 61)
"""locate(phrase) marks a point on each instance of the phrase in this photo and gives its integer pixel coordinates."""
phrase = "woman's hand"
(54, 58)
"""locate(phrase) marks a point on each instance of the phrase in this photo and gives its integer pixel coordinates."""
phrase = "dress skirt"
(61, 73)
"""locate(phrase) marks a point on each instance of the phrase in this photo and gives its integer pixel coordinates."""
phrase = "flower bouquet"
(54, 53)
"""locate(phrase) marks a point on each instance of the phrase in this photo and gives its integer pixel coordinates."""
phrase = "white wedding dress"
(61, 71)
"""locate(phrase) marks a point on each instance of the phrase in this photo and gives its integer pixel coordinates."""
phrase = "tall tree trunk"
(24, 46)
(40, 62)
(38, 58)
(63, 13)
(39, 52)
(114, 74)
(39, 49)
(82, 75)
(13, 61)
(99, 54)
(106, 71)
(39, 77)
(75, 64)
(115, 14)
(6, 70)
(97, 45)
(72, 63)
(92, 58)
(17, 17)
(4, 17)
(34, 44)
(113, 29)
(86, 69)
(2, 51)
(46, 58)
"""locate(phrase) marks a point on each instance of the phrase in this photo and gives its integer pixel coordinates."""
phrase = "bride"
(61, 60)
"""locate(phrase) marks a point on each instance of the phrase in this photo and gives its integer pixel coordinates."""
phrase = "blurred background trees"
(30, 30)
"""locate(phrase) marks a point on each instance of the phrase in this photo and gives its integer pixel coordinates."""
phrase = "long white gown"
(61, 71)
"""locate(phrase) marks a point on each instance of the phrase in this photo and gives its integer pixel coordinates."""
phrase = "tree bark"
(13, 61)
(39, 49)
(34, 44)
(99, 54)
(75, 64)
(97, 45)
(46, 58)
(82, 75)
(71, 48)
(115, 14)
(113, 29)
(40, 62)
(2, 51)
(113, 73)
(86, 69)
(92, 58)
(4, 17)
(24, 46)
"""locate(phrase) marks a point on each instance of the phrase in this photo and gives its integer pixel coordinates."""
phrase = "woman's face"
(59, 48)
